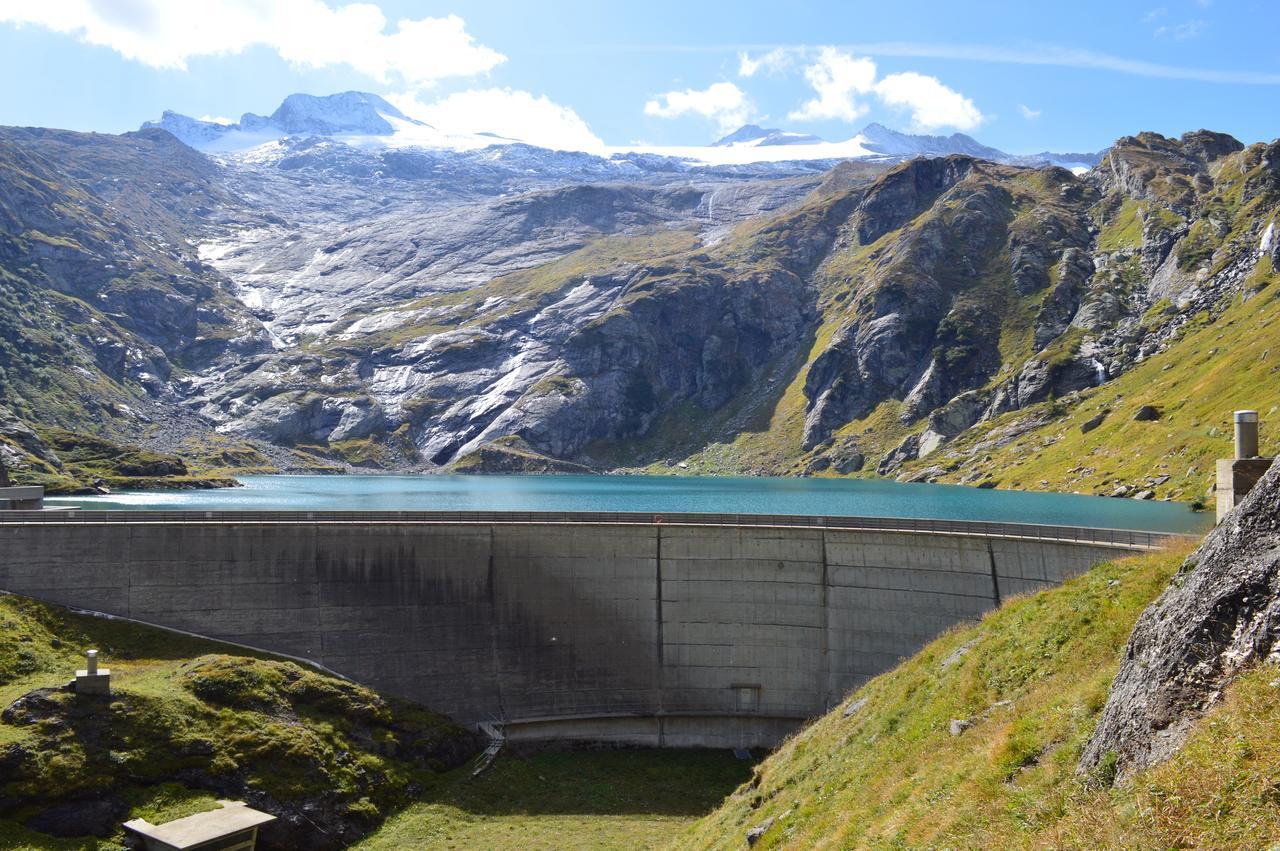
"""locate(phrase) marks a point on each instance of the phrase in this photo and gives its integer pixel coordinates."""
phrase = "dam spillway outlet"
(673, 634)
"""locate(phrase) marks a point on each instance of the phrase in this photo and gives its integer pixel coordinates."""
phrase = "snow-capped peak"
(345, 113)
(366, 120)
(757, 136)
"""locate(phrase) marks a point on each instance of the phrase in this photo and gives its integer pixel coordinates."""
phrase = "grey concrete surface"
(726, 636)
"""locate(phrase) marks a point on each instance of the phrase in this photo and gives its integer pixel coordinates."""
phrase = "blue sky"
(1022, 76)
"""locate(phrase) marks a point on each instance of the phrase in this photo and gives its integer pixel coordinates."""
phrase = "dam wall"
(660, 633)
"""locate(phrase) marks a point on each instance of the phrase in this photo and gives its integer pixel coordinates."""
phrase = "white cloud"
(843, 84)
(773, 62)
(1065, 57)
(724, 103)
(307, 33)
(507, 112)
(839, 80)
(1029, 113)
(932, 104)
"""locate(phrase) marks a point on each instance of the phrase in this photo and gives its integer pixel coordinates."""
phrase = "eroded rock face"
(1219, 615)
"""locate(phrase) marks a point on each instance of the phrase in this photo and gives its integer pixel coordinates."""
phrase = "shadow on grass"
(637, 781)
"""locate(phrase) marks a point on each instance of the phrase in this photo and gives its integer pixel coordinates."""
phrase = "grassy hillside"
(1029, 680)
(192, 720)
(188, 721)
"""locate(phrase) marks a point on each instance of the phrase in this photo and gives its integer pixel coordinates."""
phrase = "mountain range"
(370, 120)
(318, 301)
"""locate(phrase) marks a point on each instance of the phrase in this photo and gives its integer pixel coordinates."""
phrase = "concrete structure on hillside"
(234, 827)
(12, 498)
(93, 680)
(1237, 476)
(726, 632)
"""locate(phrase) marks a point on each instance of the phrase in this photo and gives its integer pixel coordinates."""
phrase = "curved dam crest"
(678, 633)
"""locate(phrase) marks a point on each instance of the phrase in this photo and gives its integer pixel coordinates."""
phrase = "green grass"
(1124, 230)
(88, 458)
(624, 799)
(189, 716)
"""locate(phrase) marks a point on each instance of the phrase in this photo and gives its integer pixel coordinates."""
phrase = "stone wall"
(653, 634)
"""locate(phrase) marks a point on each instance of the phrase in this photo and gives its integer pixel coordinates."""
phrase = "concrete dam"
(708, 630)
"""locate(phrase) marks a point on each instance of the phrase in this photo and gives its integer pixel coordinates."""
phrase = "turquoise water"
(661, 494)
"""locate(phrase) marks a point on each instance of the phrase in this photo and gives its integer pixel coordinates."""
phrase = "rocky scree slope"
(1176, 322)
(423, 327)
(866, 327)
(104, 304)
(116, 327)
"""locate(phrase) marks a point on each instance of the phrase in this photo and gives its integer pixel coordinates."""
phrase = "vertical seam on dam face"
(662, 661)
(316, 573)
(824, 661)
(493, 628)
(995, 576)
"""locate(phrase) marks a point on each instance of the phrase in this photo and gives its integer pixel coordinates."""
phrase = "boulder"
(855, 707)
(1092, 423)
(20, 434)
(1219, 616)
(99, 817)
(845, 458)
(754, 834)
(907, 450)
(1146, 414)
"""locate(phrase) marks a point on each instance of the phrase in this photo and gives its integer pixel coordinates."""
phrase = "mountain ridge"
(370, 117)
(412, 309)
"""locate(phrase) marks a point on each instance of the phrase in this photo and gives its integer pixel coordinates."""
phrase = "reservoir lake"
(659, 494)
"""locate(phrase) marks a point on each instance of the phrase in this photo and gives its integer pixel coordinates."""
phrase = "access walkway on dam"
(679, 629)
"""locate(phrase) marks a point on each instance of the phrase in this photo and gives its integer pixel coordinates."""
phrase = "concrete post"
(93, 680)
(1246, 434)
(1237, 476)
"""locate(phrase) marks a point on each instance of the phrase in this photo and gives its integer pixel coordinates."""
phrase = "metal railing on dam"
(677, 629)
(1134, 538)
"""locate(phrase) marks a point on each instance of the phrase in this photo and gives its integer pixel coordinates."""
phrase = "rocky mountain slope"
(416, 308)
(980, 322)
(104, 298)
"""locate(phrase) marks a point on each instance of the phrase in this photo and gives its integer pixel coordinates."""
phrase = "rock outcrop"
(1220, 614)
